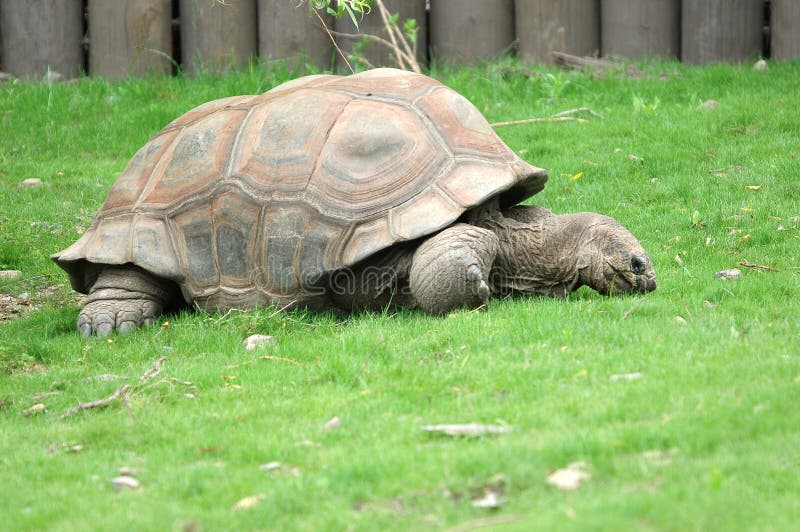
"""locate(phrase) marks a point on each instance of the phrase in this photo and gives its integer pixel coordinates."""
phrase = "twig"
(153, 372)
(397, 36)
(486, 522)
(373, 38)
(758, 266)
(392, 37)
(563, 116)
(338, 50)
(120, 393)
(580, 110)
(633, 308)
(543, 119)
(4, 403)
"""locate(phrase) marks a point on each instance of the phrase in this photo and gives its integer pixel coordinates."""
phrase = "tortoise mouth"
(624, 282)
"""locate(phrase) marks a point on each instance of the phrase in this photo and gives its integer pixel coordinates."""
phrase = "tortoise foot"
(122, 299)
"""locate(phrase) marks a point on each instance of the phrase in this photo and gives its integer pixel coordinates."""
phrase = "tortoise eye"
(638, 266)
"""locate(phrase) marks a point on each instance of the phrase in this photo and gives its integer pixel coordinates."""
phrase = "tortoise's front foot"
(123, 298)
(450, 269)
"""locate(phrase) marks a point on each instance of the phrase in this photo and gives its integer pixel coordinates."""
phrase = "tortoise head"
(612, 261)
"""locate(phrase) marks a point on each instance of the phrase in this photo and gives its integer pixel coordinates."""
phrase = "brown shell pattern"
(253, 199)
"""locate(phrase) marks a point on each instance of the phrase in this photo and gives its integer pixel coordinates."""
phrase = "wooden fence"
(117, 38)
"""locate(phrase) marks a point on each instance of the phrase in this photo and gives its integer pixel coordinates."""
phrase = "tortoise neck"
(538, 252)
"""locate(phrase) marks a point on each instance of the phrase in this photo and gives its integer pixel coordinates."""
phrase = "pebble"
(31, 182)
(729, 275)
(10, 275)
(125, 482)
(709, 104)
(258, 341)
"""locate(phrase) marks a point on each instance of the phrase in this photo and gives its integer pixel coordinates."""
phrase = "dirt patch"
(15, 306)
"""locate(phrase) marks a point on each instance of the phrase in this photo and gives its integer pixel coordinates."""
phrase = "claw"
(104, 329)
(126, 327)
(474, 273)
(484, 292)
(85, 329)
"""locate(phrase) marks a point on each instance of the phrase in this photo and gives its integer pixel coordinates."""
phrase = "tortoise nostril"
(638, 266)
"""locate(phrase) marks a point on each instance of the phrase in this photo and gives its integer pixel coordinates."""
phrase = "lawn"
(680, 407)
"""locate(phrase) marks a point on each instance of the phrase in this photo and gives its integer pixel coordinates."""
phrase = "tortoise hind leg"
(450, 269)
(123, 298)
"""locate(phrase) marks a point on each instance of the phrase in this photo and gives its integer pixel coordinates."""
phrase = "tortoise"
(352, 192)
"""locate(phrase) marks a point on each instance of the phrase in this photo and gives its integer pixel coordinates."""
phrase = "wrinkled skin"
(526, 250)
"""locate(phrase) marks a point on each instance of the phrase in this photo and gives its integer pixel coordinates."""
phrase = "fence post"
(372, 24)
(42, 35)
(217, 35)
(130, 38)
(287, 32)
(468, 30)
(641, 28)
(785, 29)
(721, 30)
(545, 26)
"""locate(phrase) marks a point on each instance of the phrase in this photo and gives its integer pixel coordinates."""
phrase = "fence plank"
(42, 34)
(721, 30)
(641, 28)
(544, 26)
(372, 24)
(287, 32)
(785, 29)
(217, 35)
(130, 38)
(463, 31)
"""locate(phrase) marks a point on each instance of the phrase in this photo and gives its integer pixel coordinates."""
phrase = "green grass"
(719, 390)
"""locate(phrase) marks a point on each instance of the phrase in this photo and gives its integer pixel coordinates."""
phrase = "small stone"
(569, 478)
(729, 275)
(249, 502)
(680, 320)
(31, 182)
(125, 482)
(257, 341)
(490, 499)
(761, 66)
(333, 424)
(270, 466)
(709, 104)
(38, 408)
(625, 377)
(10, 275)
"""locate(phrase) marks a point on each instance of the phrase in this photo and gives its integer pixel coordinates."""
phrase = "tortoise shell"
(255, 199)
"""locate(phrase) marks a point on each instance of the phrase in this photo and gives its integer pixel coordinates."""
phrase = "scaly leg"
(450, 270)
(122, 298)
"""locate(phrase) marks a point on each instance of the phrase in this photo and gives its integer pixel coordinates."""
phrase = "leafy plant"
(338, 8)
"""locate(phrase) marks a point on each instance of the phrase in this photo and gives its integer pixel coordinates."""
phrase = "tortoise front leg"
(450, 270)
(123, 298)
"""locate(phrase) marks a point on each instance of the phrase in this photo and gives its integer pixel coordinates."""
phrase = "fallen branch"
(758, 266)
(153, 372)
(563, 116)
(120, 393)
(581, 63)
(542, 119)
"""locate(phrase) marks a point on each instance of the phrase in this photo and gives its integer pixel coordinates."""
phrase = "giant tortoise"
(379, 188)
